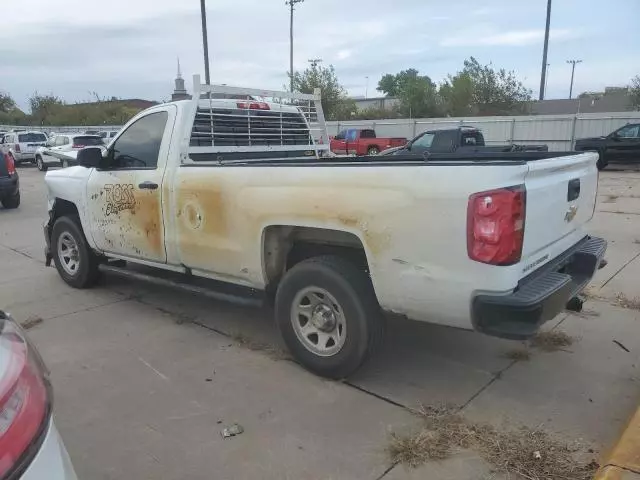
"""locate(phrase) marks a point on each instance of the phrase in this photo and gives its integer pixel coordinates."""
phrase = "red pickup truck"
(354, 141)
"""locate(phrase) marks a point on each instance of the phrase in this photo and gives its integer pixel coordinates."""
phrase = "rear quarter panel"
(410, 219)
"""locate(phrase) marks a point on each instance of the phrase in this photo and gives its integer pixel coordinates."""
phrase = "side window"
(424, 141)
(367, 134)
(351, 135)
(341, 135)
(139, 145)
(444, 142)
(629, 131)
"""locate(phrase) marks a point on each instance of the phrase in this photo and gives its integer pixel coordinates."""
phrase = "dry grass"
(31, 322)
(531, 454)
(521, 354)
(552, 340)
(626, 302)
(275, 353)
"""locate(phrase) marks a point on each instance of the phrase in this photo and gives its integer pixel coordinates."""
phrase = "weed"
(551, 340)
(521, 354)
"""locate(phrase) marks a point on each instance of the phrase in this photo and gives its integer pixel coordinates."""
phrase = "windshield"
(87, 141)
(32, 137)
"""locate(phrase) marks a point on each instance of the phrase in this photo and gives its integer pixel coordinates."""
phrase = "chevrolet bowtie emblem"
(571, 213)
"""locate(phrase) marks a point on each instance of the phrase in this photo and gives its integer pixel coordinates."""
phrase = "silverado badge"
(571, 213)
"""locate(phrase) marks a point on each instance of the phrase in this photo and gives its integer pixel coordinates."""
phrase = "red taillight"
(16, 147)
(24, 398)
(77, 146)
(495, 225)
(254, 105)
(11, 165)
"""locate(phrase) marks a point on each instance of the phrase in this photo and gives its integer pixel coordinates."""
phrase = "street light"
(366, 90)
(292, 4)
(573, 70)
(205, 41)
(543, 75)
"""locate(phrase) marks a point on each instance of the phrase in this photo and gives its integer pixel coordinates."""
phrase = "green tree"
(7, 104)
(44, 108)
(334, 96)
(635, 92)
(483, 90)
(418, 95)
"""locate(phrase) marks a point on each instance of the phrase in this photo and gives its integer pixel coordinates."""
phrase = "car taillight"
(11, 165)
(253, 105)
(16, 147)
(495, 225)
(24, 396)
(75, 145)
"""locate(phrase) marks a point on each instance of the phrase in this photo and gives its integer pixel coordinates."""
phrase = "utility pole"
(543, 75)
(292, 4)
(205, 42)
(366, 90)
(546, 80)
(573, 71)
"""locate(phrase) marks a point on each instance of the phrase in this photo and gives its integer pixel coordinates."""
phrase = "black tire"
(87, 273)
(40, 164)
(373, 151)
(602, 162)
(11, 202)
(352, 289)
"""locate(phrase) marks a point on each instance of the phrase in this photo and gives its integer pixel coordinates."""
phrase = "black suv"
(9, 182)
(622, 145)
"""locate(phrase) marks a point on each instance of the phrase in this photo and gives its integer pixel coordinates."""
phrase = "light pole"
(543, 75)
(546, 80)
(366, 90)
(573, 71)
(292, 4)
(205, 42)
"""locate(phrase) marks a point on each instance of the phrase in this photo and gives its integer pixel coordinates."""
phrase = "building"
(381, 103)
(613, 99)
(180, 91)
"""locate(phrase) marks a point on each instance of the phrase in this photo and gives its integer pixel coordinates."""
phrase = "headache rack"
(238, 124)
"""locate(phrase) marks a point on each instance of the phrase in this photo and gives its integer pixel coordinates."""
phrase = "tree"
(7, 104)
(482, 90)
(418, 95)
(334, 96)
(635, 92)
(44, 108)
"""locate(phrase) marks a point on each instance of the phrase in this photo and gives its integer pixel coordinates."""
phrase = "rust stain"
(147, 218)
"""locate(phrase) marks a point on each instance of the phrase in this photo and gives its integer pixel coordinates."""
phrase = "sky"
(77, 49)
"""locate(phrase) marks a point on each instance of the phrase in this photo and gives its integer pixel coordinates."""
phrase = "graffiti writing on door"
(119, 197)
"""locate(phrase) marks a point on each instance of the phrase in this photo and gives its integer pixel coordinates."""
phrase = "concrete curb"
(623, 462)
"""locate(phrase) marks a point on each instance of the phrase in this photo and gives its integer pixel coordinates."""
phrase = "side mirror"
(90, 157)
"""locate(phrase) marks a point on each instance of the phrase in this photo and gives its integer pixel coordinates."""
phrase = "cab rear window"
(31, 137)
(87, 141)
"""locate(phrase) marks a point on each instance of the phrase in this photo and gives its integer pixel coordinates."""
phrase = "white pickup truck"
(240, 192)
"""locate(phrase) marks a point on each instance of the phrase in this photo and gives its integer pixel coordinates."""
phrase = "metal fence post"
(513, 130)
(415, 127)
(573, 131)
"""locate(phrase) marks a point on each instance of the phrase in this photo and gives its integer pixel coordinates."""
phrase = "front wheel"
(11, 202)
(328, 315)
(40, 164)
(75, 262)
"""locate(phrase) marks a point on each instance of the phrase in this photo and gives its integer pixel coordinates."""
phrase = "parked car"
(56, 150)
(621, 145)
(9, 182)
(464, 139)
(237, 191)
(22, 146)
(108, 136)
(355, 141)
(30, 446)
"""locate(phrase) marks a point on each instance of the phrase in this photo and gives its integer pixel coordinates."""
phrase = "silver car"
(30, 447)
(56, 148)
(22, 146)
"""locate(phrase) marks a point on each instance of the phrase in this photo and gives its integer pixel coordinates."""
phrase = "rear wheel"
(373, 151)
(12, 201)
(328, 315)
(40, 164)
(75, 261)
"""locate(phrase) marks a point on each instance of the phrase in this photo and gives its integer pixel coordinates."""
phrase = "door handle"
(148, 185)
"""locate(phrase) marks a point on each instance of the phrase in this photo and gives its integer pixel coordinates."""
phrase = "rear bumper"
(541, 295)
(9, 186)
(24, 156)
(52, 460)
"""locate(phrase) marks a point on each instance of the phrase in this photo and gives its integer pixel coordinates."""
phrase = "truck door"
(125, 198)
(338, 144)
(624, 146)
(351, 142)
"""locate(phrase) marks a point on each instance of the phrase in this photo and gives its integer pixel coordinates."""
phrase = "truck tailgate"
(561, 197)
